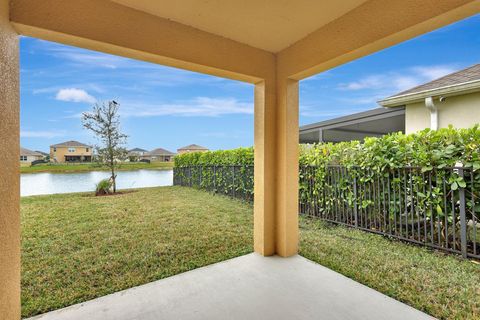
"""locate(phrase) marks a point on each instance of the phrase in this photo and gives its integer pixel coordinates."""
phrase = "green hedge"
(396, 177)
(426, 149)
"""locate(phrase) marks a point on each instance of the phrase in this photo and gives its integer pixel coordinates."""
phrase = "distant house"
(136, 154)
(191, 148)
(158, 154)
(70, 151)
(44, 154)
(453, 99)
(28, 156)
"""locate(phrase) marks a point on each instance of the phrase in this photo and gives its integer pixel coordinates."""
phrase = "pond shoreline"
(47, 183)
(89, 167)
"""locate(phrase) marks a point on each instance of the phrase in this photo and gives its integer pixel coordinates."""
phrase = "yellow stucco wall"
(9, 170)
(462, 111)
(61, 152)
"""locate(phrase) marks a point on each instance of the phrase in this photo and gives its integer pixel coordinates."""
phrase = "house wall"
(30, 159)
(61, 152)
(461, 111)
(157, 158)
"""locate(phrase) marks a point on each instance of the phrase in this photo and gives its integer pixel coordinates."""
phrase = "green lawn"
(83, 167)
(76, 247)
(439, 284)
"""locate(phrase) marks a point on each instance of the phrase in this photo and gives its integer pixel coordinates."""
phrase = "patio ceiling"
(270, 25)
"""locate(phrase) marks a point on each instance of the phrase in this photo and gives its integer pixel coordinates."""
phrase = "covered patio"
(270, 44)
(247, 287)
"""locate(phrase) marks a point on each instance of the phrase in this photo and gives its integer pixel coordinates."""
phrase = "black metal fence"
(235, 181)
(437, 208)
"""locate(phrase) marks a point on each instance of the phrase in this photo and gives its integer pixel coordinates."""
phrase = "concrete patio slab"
(248, 287)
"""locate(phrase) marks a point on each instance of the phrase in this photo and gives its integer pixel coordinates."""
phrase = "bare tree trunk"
(114, 182)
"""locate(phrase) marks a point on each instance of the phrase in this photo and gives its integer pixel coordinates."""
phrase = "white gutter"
(433, 113)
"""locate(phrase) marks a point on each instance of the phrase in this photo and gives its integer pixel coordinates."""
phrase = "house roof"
(70, 143)
(459, 82)
(160, 152)
(42, 153)
(193, 147)
(27, 152)
(137, 150)
(356, 126)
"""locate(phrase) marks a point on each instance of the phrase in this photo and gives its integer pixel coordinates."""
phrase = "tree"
(104, 122)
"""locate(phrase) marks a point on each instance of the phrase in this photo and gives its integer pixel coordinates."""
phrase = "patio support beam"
(110, 27)
(276, 167)
(372, 26)
(265, 165)
(287, 137)
(9, 169)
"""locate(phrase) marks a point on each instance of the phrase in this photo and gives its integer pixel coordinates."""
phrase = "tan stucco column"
(9, 170)
(287, 167)
(264, 190)
(276, 167)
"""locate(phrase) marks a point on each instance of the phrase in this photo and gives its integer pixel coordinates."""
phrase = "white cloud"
(41, 134)
(434, 72)
(326, 112)
(74, 95)
(370, 82)
(399, 80)
(198, 107)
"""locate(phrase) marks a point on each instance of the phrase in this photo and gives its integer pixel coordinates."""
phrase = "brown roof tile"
(70, 143)
(462, 76)
(193, 147)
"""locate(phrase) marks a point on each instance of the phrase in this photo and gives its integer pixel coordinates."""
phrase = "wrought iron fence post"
(233, 181)
(214, 179)
(355, 203)
(463, 218)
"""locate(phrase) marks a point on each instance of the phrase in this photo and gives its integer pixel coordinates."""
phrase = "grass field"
(439, 284)
(76, 247)
(84, 167)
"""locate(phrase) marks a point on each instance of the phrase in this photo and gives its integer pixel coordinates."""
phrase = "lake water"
(49, 183)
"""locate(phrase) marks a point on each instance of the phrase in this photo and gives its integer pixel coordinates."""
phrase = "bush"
(104, 187)
(427, 149)
(240, 156)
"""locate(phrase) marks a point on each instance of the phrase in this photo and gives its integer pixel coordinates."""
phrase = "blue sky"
(169, 108)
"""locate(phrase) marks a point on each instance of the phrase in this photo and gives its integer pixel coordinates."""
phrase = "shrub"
(427, 149)
(103, 187)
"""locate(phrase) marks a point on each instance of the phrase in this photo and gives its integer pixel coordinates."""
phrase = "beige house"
(158, 154)
(191, 148)
(135, 154)
(70, 151)
(28, 156)
(450, 100)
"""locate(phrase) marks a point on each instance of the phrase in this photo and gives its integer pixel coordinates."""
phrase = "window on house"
(87, 149)
(71, 149)
(54, 149)
(23, 158)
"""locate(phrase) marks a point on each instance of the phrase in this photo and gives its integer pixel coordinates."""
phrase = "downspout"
(433, 113)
